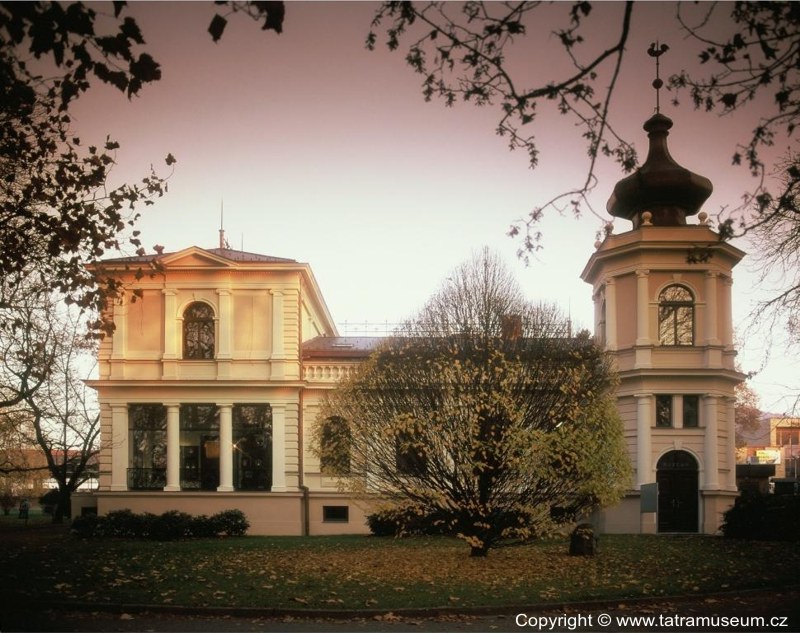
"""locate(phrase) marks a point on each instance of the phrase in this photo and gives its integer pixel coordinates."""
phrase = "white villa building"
(212, 379)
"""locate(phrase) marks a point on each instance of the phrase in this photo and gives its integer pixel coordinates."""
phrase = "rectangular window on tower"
(663, 411)
(691, 412)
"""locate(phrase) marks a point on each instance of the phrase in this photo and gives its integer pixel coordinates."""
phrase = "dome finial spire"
(657, 51)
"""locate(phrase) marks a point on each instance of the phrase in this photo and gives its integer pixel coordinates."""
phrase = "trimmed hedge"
(169, 526)
(764, 518)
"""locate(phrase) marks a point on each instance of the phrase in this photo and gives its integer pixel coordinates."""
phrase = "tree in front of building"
(483, 414)
(46, 356)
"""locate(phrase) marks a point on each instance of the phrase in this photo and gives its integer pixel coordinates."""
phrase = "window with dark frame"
(676, 316)
(335, 514)
(198, 331)
(252, 446)
(200, 447)
(691, 412)
(663, 411)
(147, 424)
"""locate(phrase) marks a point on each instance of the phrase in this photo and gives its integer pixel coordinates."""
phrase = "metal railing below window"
(147, 478)
(190, 479)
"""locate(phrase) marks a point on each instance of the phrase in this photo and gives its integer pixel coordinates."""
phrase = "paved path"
(780, 611)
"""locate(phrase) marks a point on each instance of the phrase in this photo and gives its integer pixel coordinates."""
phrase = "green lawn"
(357, 572)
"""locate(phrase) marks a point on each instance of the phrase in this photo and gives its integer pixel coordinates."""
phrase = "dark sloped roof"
(227, 253)
(341, 346)
(244, 256)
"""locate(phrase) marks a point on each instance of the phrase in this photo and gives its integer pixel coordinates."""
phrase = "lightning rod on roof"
(657, 50)
(221, 229)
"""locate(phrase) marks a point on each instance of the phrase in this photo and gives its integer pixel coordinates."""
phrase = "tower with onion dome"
(662, 297)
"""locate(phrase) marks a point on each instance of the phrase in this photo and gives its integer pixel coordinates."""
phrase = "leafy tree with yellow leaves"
(484, 414)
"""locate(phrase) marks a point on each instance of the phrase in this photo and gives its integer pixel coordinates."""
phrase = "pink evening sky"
(324, 152)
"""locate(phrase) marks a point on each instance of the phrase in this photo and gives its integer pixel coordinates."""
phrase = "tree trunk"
(63, 507)
(477, 551)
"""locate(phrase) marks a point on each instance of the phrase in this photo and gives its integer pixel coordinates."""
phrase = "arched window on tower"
(198, 331)
(676, 316)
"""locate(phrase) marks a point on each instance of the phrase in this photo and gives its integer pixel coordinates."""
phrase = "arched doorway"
(676, 474)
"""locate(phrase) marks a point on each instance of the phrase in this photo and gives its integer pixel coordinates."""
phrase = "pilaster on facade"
(730, 447)
(278, 348)
(278, 448)
(611, 314)
(643, 307)
(711, 317)
(119, 447)
(643, 356)
(224, 328)
(119, 340)
(711, 443)
(644, 422)
(727, 312)
(225, 316)
(169, 359)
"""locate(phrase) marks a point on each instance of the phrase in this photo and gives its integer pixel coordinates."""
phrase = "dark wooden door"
(677, 492)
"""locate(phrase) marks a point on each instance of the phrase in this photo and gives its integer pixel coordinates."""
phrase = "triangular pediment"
(195, 257)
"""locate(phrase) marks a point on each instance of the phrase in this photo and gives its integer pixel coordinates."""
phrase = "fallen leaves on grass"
(368, 572)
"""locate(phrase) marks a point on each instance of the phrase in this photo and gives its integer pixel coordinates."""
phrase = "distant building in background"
(784, 435)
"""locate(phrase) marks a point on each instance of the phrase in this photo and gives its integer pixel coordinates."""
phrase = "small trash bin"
(583, 542)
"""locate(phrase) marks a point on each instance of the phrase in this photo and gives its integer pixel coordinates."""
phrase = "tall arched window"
(676, 316)
(198, 331)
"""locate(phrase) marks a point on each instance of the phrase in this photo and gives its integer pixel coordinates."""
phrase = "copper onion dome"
(661, 186)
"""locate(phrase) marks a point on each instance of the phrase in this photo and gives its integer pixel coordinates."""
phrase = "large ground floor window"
(252, 447)
(199, 437)
(147, 431)
(198, 460)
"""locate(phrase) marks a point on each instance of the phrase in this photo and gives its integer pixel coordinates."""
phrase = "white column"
(712, 338)
(225, 447)
(642, 308)
(119, 447)
(644, 422)
(611, 314)
(173, 448)
(710, 447)
(278, 448)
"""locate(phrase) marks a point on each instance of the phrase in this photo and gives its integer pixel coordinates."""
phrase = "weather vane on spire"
(657, 51)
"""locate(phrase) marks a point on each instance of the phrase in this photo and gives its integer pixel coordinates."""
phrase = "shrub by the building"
(169, 526)
(764, 518)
